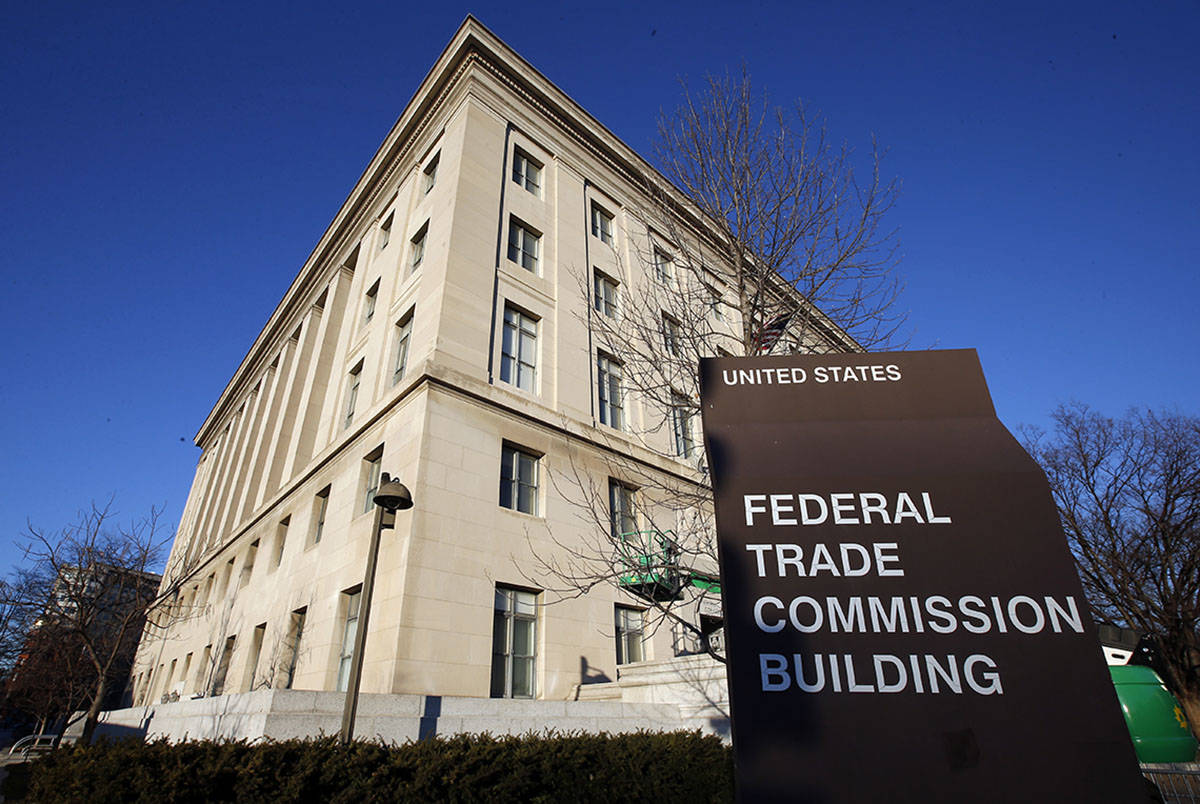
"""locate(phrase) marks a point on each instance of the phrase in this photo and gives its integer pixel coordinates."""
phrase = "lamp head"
(392, 495)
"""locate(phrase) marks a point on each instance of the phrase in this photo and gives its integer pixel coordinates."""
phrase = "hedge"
(645, 766)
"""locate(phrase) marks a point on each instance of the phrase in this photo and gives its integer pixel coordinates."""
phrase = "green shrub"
(646, 766)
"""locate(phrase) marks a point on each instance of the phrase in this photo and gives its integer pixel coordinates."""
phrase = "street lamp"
(390, 498)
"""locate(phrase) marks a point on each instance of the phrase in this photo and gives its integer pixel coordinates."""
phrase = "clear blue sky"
(165, 169)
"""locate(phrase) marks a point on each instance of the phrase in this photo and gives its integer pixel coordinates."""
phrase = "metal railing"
(1176, 784)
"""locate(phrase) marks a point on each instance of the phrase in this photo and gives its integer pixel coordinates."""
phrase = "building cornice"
(472, 49)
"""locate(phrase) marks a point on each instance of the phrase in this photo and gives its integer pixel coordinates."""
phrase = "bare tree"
(758, 237)
(49, 679)
(783, 210)
(1128, 493)
(278, 669)
(91, 588)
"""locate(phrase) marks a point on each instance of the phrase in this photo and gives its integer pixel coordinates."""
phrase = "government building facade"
(439, 332)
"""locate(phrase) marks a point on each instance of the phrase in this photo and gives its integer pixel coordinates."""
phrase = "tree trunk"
(93, 712)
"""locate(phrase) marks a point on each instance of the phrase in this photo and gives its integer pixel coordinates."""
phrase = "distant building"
(101, 603)
(438, 332)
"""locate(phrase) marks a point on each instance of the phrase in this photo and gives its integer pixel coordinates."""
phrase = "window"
(716, 305)
(351, 602)
(418, 247)
(681, 425)
(322, 508)
(248, 564)
(280, 540)
(205, 659)
(385, 231)
(403, 334)
(629, 634)
(183, 675)
(372, 485)
(602, 224)
(518, 480)
(670, 330)
(621, 509)
(523, 245)
(352, 393)
(431, 173)
(292, 646)
(664, 267)
(608, 378)
(514, 643)
(518, 350)
(527, 172)
(218, 685)
(227, 577)
(256, 643)
(369, 303)
(166, 690)
(604, 295)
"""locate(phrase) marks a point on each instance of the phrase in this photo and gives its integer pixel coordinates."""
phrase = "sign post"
(903, 617)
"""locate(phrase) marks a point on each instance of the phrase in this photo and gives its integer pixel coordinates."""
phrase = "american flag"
(771, 332)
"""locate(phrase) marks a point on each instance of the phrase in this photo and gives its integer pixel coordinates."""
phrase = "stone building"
(439, 333)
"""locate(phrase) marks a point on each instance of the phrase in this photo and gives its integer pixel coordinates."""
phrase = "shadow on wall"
(590, 675)
(430, 712)
(720, 727)
(116, 731)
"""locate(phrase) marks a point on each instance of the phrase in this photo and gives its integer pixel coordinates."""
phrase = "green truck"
(1154, 717)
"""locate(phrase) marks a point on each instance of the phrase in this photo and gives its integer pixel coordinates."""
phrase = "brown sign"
(903, 617)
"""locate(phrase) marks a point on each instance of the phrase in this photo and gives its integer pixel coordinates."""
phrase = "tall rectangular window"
(670, 331)
(385, 231)
(256, 643)
(604, 294)
(291, 646)
(716, 305)
(664, 267)
(403, 335)
(608, 378)
(372, 481)
(202, 670)
(183, 675)
(369, 303)
(418, 247)
(628, 623)
(352, 393)
(248, 564)
(622, 512)
(322, 508)
(602, 224)
(430, 173)
(346, 654)
(524, 245)
(227, 578)
(218, 685)
(518, 480)
(527, 172)
(514, 643)
(681, 426)
(518, 350)
(281, 531)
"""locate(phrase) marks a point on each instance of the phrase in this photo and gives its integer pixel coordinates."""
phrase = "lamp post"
(391, 497)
